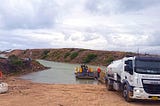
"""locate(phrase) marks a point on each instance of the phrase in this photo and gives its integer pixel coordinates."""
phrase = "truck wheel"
(126, 93)
(109, 85)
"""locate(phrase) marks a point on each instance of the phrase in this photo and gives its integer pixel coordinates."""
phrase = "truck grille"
(151, 88)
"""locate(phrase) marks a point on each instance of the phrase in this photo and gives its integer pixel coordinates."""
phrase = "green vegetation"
(58, 56)
(72, 49)
(14, 60)
(66, 54)
(45, 54)
(81, 50)
(89, 58)
(109, 59)
(74, 55)
(25, 51)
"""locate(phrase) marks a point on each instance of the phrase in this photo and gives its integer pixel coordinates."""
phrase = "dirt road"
(26, 93)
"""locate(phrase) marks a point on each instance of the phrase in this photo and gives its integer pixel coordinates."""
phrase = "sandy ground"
(26, 93)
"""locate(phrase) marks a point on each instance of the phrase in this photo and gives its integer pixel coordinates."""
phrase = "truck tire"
(109, 85)
(126, 93)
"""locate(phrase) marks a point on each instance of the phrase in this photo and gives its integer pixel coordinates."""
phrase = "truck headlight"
(138, 91)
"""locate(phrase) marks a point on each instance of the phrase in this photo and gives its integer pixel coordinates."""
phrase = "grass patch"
(45, 54)
(109, 59)
(66, 55)
(89, 58)
(81, 50)
(74, 55)
(14, 60)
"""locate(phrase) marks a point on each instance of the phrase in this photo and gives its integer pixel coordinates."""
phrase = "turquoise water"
(59, 73)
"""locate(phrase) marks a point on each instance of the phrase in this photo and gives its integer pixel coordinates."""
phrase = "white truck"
(136, 77)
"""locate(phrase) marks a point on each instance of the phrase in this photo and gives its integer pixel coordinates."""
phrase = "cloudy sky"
(120, 25)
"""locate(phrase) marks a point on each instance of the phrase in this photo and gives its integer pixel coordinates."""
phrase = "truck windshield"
(147, 67)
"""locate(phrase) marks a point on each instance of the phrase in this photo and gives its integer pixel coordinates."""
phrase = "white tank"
(115, 67)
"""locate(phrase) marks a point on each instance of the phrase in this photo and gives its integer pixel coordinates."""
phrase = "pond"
(59, 73)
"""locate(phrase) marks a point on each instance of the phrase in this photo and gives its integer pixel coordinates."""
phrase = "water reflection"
(60, 73)
(3, 56)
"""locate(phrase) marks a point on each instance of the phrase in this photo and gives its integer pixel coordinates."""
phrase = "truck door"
(128, 71)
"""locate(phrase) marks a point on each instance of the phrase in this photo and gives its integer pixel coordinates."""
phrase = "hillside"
(16, 66)
(72, 55)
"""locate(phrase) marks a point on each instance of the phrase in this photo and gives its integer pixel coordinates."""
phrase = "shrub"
(81, 50)
(109, 59)
(25, 51)
(74, 55)
(66, 54)
(14, 60)
(45, 54)
(89, 58)
(72, 49)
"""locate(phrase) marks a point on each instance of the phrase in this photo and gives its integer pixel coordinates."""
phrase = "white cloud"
(27, 14)
(124, 25)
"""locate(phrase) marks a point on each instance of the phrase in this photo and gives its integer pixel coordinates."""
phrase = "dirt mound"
(15, 52)
(10, 68)
(72, 55)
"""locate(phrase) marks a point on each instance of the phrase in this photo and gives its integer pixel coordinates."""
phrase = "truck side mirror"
(128, 69)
